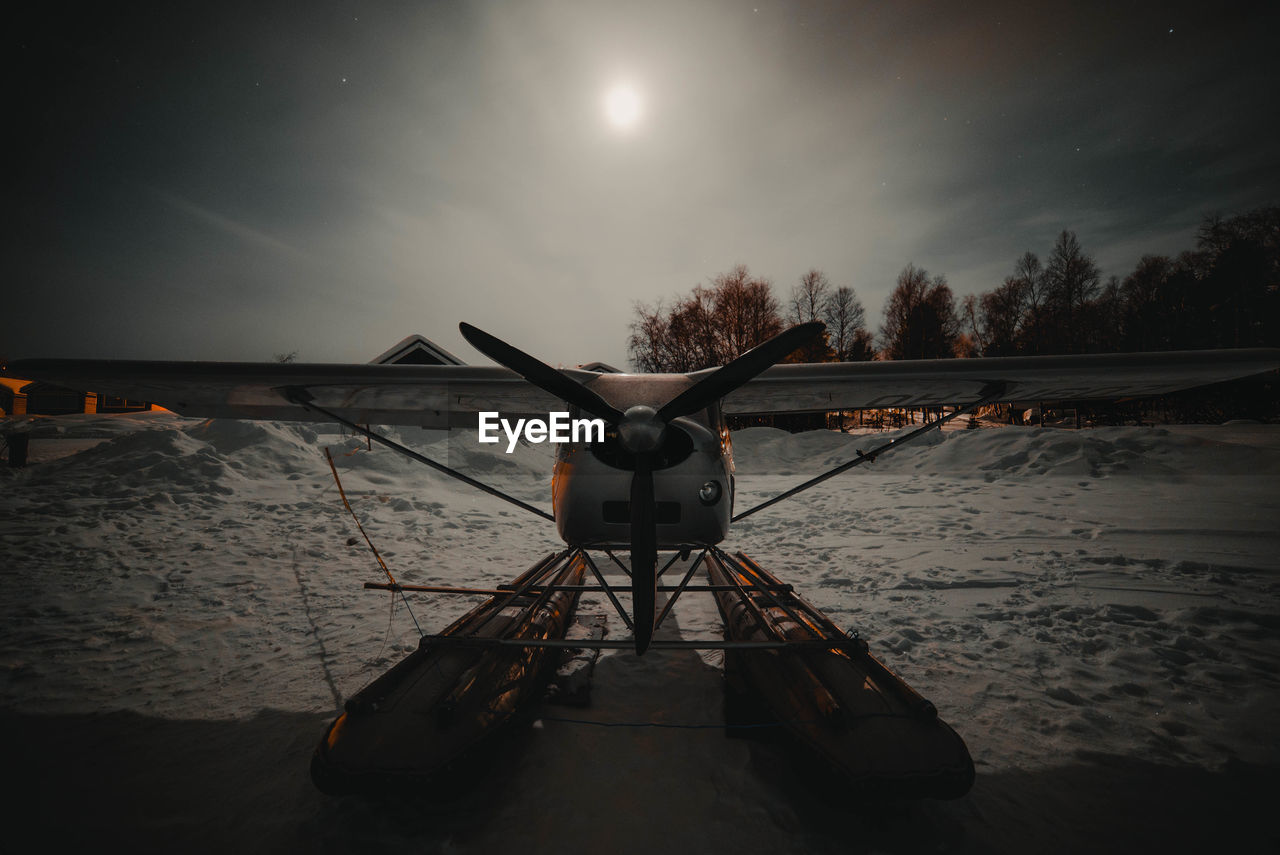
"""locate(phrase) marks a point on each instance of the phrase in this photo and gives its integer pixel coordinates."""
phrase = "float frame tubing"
(584, 589)
(828, 634)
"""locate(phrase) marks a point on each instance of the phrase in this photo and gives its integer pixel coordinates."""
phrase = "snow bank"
(1165, 453)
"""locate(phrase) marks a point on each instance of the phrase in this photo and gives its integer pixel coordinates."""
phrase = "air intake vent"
(619, 513)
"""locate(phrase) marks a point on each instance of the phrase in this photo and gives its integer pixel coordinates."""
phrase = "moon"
(623, 106)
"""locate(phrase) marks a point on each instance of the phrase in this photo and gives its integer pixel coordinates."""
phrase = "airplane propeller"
(641, 431)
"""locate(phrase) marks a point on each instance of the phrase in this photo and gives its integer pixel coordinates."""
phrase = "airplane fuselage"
(692, 478)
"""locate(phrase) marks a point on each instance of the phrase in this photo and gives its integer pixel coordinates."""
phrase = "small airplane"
(663, 477)
(660, 477)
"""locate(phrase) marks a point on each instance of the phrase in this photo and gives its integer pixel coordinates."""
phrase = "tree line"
(738, 310)
(1224, 293)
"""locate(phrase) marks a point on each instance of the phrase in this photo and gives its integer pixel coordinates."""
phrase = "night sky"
(225, 181)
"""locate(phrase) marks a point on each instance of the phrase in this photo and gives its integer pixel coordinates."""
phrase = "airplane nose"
(641, 430)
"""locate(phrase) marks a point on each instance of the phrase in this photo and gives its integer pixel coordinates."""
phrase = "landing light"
(709, 493)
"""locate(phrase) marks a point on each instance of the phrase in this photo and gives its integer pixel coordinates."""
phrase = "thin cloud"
(237, 229)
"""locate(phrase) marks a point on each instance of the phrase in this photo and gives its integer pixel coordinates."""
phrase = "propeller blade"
(729, 377)
(540, 374)
(644, 552)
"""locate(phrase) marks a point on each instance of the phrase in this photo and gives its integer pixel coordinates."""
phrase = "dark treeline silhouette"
(1223, 294)
(920, 319)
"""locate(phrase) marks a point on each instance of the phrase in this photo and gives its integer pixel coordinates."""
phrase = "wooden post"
(17, 442)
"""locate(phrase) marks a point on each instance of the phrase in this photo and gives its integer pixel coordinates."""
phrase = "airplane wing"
(450, 395)
(423, 395)
(820, 387)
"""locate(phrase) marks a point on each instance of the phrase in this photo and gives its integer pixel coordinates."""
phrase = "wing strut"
(303, 399)
(989, 394)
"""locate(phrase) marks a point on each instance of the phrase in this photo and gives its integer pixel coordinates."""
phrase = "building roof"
(417, 350)
(40, 387)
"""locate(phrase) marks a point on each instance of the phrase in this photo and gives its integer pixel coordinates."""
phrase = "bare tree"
(808, 297)
(972, 324)
(648, 344)
(1001, 318)
(845, 317)
(1240, 265)
(1030, 292)
(920, 317)
(745, 310)
(1072, 281)
(1148, 304)
(1107, 326)
(710, 326)
(693, 339)
(863, 348)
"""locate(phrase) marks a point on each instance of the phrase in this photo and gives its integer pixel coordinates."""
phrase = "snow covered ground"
(1097, 612)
